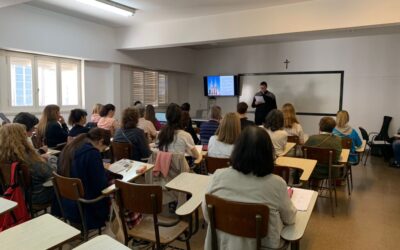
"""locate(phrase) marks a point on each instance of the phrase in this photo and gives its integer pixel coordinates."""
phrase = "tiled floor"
(370, 219)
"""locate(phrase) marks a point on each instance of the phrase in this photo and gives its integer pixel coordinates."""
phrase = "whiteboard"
(311, 93)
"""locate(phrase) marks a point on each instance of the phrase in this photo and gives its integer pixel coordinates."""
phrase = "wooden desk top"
(40, 233)
(361, 148)
(130, 174)
(344, 156)
(102, 242)
(6, 205)
(194, 184)
(288, 147)
(307, 165)
(296, 231)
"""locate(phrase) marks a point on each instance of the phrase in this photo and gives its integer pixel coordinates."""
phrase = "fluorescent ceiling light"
(111, 6)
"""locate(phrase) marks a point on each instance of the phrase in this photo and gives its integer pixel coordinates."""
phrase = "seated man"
(241, 108)
(325, 139)
(207, 129)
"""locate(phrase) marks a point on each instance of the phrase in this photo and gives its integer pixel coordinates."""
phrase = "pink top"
(106, 123)
(95, 118)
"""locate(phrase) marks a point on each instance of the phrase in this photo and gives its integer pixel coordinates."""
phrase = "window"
(47, 82)
(149, 87)
(37, 81)
(21, 82)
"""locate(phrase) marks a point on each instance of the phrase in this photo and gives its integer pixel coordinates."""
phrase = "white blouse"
(219, 149)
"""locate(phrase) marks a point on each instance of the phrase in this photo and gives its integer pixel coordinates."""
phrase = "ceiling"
(164, 10)
(154, 10)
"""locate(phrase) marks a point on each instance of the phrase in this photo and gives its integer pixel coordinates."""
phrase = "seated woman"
(96, 113)
(77, 119)
(250, 179)
(52, 128)
(343, 129)
(107, 120)
(274, 126)
(291, 124)
(150, 115)
(14, 147)
(82, 159)
(207, 129)
(221, 144)
(325, 139)
(130, 133)
(187, 122)
(172, 138)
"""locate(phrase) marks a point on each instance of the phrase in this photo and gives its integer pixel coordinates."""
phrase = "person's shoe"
(395, 164)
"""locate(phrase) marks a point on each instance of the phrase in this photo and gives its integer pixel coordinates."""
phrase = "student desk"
(42, 232)
(361, 148)
(194, 184)
(295, 232)
(307, 165)
(6, 205)
(344, 156)
(288, 147)
(102, 242)
(130, 174)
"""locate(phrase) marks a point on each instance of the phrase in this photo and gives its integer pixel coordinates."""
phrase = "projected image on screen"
(220, 85)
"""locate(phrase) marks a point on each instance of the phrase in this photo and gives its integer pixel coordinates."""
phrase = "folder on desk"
(301, 198)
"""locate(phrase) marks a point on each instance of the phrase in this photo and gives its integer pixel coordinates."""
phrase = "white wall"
(371, 79)
(305, 16)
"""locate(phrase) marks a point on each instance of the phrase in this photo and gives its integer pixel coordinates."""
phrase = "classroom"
(162, 53)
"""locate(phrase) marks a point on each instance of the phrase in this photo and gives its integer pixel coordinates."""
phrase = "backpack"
(14, 193)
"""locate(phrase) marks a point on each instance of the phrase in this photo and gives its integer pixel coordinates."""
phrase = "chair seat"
(145, 230)
(38, 207)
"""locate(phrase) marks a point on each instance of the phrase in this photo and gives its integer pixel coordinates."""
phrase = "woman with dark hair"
(250, 179)
(187, 122)
(130, 133)
(77, 119)
(172, 138)
(150, 115)
(274, 123)
(51, 127)
(107, 120)
(81, 158)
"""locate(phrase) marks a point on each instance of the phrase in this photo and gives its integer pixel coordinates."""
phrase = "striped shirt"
(207, 129)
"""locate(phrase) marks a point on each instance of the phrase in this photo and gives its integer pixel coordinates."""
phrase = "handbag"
(14, 193)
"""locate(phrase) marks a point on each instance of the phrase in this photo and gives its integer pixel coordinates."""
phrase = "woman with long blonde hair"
(221, 144)
(96, 113)
(52, 128)
(291, 124)
(343, 129)
(14, 147)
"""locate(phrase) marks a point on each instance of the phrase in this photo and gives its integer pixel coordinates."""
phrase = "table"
(296, 231)
(42, 232)
(361, 148)
(194, 184)
(288, 147)
(307, 165)
(6, 205)
(130, 174)
(102, 242)
(344, 156)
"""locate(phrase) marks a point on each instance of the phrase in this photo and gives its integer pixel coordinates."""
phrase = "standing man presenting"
(264, 101)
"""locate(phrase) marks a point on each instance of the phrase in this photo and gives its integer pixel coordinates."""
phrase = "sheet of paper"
(259, 99)
(119, 166)
(301, 198)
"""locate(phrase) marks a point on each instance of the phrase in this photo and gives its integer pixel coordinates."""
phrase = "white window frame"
(5, 90)
(157, 103)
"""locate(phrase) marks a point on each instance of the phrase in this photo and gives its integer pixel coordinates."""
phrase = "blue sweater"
(207, 129)
(87, 165)
(356, 142)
